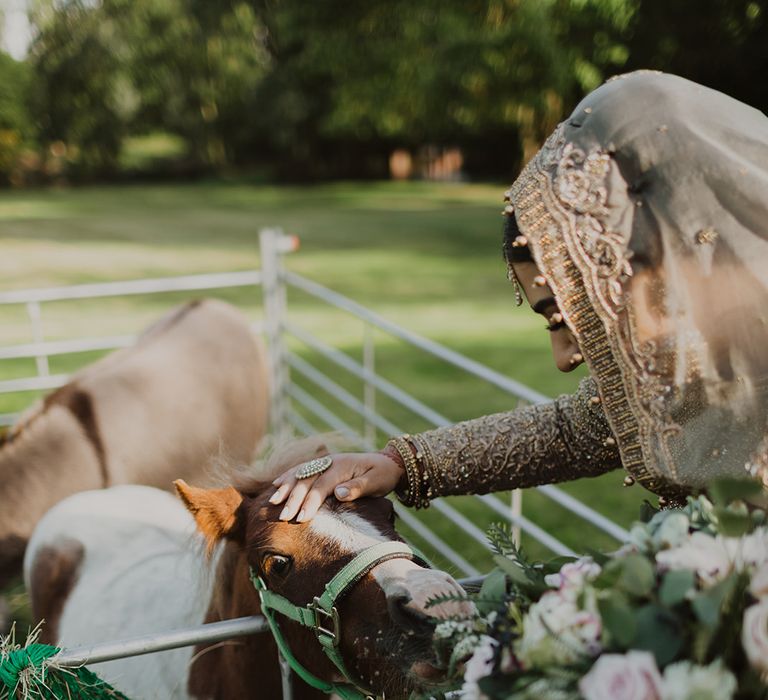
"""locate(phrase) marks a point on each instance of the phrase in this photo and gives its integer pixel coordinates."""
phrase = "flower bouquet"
(680, 612)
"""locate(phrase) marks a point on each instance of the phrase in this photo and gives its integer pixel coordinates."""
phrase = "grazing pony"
(127, 563)
(191, 389)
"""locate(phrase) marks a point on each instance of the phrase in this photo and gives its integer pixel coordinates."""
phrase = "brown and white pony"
(127, 563)
(191, 389)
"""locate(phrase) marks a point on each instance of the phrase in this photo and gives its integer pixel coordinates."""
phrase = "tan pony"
(192, 389)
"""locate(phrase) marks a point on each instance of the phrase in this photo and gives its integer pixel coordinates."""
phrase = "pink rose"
(754, 636)
(574, 575)
(758, 586)
(632, 676)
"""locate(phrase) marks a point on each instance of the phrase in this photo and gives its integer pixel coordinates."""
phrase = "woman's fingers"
(380, 476)
(350, 477)
(317, 489)
(281, 493)
(295, 500)
(352, 489)
(322, 488)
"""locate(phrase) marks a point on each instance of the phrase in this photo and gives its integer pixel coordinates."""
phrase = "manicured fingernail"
(342, 492)
(284, 514)
(300, 517)
(275, 498)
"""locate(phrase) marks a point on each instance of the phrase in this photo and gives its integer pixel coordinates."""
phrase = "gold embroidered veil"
(647, 212)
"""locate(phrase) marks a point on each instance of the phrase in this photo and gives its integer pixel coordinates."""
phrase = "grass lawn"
(424, 255)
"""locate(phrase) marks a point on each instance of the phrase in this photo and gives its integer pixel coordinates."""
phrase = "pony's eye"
(276, 564)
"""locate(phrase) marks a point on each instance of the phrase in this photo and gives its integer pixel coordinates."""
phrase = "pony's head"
(385, 622)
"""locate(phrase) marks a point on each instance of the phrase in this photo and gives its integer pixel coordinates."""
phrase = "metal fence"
(301, 392)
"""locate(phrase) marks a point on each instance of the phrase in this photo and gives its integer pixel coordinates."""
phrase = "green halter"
(322, 617)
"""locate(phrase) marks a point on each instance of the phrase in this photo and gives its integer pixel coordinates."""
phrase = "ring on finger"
(314, 467)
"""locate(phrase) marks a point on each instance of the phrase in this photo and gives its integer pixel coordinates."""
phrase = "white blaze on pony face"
(353, 534)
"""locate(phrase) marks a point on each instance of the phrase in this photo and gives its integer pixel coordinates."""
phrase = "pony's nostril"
(405, 615)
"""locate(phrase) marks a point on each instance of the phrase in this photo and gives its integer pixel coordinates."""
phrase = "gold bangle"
(413, 496)
(426, 459)
(409, 462)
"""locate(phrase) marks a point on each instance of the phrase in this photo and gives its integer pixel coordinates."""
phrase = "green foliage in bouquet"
(680, 612)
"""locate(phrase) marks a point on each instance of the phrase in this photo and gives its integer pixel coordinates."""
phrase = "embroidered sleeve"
(566, 439)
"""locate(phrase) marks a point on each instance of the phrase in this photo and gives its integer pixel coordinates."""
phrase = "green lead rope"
(31, 673)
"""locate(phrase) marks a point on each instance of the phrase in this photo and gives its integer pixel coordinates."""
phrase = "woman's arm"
(566, 439)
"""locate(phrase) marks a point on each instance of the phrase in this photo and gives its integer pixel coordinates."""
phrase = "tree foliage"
(327, 89)
(15, 130)
(107, 69)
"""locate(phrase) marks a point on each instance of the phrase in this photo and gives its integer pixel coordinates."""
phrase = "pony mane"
(278, 457)
(274, 459)
(26, 427)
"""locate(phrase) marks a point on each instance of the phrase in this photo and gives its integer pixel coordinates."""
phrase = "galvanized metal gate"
(301, 392)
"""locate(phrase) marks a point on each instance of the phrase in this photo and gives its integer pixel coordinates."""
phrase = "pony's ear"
(215, 510)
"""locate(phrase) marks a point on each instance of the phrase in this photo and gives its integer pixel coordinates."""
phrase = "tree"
(15, 127)
(106, 69)
(76, 96)
(719, 43)
(493, 73)
(194, 72)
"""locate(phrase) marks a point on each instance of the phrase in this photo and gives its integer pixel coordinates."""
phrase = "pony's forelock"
(275, 458)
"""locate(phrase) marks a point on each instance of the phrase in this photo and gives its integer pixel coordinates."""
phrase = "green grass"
(424, 255)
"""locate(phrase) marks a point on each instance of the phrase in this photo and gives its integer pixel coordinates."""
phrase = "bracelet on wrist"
(416, 482)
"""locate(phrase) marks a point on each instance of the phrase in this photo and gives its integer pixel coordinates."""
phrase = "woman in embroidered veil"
(640, 230)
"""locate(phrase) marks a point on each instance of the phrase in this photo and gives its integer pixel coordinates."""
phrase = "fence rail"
(41, 350)
(185, 283)
(162, 641)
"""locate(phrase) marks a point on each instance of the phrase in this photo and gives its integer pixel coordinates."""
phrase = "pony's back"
(116, 563)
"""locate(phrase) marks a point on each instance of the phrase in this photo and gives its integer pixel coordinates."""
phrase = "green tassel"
(30, 673)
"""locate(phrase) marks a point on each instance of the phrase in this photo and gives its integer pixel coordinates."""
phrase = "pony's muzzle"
(405, 615)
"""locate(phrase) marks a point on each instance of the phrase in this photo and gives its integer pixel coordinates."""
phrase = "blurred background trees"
(314, 90)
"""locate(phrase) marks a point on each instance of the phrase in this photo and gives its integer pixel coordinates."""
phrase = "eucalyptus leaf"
(708, 604)
(732, 522)
(633, 574)
(725, 490)
(659, 632)
(492, 592)
(608, 577)
(618, 619)
(675, 586)
(647, 511)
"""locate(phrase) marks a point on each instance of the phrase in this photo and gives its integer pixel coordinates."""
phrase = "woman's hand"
(350, 476)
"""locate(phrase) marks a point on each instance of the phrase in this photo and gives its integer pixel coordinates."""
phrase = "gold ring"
(314, 467)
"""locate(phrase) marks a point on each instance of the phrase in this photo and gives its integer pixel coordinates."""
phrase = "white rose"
(754, 636)
(712, 558)
(758, 586)
(752, 551)
(479, 666)
(685, 681)
(672, 532)
(557, 631)
(633, 676)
